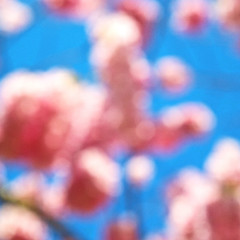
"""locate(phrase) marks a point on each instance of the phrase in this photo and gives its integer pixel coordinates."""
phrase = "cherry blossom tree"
(55, 124)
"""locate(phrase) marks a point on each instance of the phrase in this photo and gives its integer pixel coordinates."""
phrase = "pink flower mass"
(96, 176)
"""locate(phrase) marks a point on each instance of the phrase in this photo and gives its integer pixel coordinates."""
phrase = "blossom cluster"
(206, 205)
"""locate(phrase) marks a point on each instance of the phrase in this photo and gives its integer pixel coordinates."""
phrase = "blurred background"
(52, 40)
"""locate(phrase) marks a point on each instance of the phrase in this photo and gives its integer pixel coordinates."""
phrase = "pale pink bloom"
(180, 123)
(126, 73)
(168, 135)
(122, 229)
(123, 78)
(189, 15)
(198, 119)
(52, 199)
(174, 75)
(117, 29)
(87, 119)
(113, 32)
(77, 9)
(139, 170)
(19, 223)
(14, 16)
(187, 220)
(145, 13)
(89, 126)
(103, 131)
(93, 181)
(189, 196)
(196, 186)
(182, 214)
(228, 13)
(223, 163)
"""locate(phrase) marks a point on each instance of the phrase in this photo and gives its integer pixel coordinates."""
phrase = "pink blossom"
(88, 121)
(174, 75)
(126, 73)
(198, 119)
(77, 9)
(145, 13)
(36, 115)
(189, 195)
(228, 13)
(185, 185)
(223, 217)
(93, 181)
(14, 16)
(183, 217)
(18, 223)
(140, 170)
(180, 123)
(189, 15)
(122, 229)
(223, 164)
(52, 199)
(111, 33)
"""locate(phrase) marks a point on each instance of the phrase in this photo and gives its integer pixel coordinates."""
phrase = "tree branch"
(54, 223)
